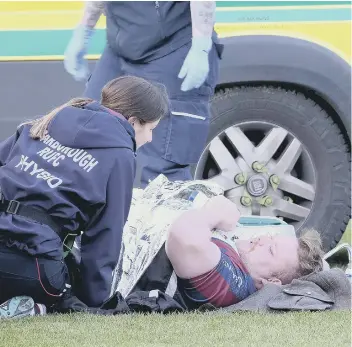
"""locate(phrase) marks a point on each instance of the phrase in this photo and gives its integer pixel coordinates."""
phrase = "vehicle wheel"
(277, 153)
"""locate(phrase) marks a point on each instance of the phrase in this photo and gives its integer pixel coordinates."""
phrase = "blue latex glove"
(74, 61)
(195, 68)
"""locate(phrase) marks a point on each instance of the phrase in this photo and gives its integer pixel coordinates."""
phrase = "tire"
(317, 132)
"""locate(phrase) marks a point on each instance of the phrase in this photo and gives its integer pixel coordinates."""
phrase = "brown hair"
(128, 95)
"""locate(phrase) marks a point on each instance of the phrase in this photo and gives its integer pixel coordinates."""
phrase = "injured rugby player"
(210, 270)
(199, 253)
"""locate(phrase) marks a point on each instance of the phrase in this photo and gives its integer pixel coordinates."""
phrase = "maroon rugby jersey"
(227, 284)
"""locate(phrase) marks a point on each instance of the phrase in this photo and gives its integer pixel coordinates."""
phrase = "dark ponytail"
(39, 127)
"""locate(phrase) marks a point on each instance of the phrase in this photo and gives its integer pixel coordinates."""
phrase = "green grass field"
(215, 330)
(347, 236)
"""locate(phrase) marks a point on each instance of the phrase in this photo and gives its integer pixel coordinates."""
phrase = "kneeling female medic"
(71, 171)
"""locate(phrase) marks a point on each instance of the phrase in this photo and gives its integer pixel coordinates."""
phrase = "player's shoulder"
(231, 254)
(228, 247)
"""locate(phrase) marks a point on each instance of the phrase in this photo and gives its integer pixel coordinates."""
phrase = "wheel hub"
(257, 185)
(263, 168)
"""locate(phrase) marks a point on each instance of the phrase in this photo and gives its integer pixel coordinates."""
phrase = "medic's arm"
(203, 18)
(195, 68)
(100, 244)
(92, 13)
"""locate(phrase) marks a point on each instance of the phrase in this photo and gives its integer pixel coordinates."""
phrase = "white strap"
(172, 285)
(190, 115)
(154, 293)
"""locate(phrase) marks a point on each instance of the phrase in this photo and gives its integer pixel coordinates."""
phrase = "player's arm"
(92, 12)
(189, 246)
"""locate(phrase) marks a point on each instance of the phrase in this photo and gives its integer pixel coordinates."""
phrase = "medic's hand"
(74, 61)
(195, 68)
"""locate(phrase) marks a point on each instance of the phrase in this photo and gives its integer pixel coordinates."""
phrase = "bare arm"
(92, 13)
(203, 18)
(189, 246)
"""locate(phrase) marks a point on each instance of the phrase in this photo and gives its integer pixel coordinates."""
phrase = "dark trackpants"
(45, 280)
(180, 138)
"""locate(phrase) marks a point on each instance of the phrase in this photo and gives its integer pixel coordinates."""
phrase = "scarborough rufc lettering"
(54, 153)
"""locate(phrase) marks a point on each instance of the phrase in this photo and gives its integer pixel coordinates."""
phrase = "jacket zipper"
(157, 7)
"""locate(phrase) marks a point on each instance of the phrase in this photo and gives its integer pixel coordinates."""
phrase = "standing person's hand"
(74, 61)
(222, 213)
(195, 67)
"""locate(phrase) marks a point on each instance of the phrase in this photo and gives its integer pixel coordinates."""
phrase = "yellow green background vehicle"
(325, 22)
(279, 141)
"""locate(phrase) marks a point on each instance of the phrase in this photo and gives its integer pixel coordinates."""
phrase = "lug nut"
(275, 179)
(246, 201)
(258, 167)
(240, 179)
(266, 201)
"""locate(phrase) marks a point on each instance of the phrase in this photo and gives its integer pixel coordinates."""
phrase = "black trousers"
(45, 280)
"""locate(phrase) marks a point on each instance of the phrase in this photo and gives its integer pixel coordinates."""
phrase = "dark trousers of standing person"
(179, 139)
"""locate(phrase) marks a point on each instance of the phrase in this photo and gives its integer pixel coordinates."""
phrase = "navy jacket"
(141, 31)
(82, 174)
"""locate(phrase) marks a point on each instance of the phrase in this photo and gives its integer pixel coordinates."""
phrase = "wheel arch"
(291, 63)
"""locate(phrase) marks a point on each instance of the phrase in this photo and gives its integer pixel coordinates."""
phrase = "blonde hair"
(128, 95)
(310, 252)
(310, 256)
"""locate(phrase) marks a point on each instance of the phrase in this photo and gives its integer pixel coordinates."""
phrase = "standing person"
(172, 42)
(71, 171)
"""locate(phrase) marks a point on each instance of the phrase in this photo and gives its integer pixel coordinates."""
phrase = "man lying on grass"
(210, 270)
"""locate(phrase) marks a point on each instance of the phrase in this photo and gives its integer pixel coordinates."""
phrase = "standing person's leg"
(44, 280)
(179, 139)
(106, 69)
